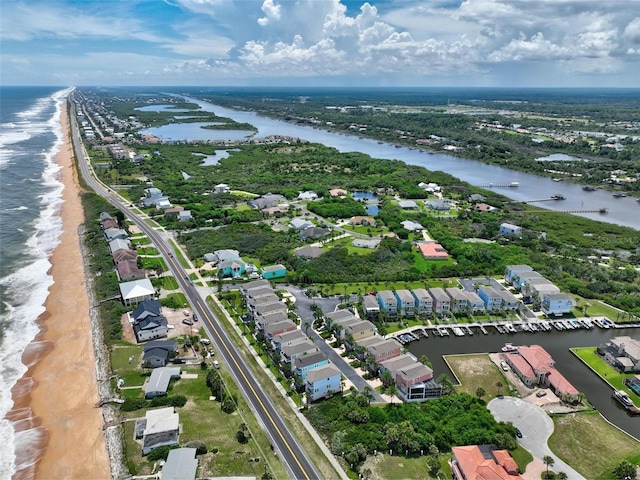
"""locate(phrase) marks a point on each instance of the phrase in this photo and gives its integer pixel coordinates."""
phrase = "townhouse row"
(537, 289)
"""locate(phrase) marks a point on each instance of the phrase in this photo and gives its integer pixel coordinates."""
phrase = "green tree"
(433, 463)
(561, 476)
(625, 470)
(548, 461)
(425, 361)
(480, 392)
(387, 379)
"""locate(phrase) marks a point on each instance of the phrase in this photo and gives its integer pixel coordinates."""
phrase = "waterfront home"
(510, 229)
(150, 328)
(459, 301)
(358, 329)
(384, 350)
(278, 328)
(232, 268)
(105, 216)
(511, 272)
(388, 302)
(441, 301)
(520, 279)
(304, 363)
(128, 270)
(557, 304)
(161, 427)
(411, 226)
(284, 339)
(337, 193)
(274, 271)
(491, 298)
(485, 208)
(158, 382)
(108, 223)
(370, 306)
(432, 251)
(538, 287)
(221, 188)
(408, 205)
(622, 353)
(474, 302)
(136, 291)
(119, 244)
(124, 255)
(406, 303)
(396, 363)
(181, 464)
(331, 318)
(415, 383)
(157, 353)
(509, 302)
(535, 367)
(323, 382)
(300, 224)
(472, 462)
(423, 301)
(371, 243)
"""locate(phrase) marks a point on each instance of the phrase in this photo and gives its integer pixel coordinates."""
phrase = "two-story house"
(423, 301)
(323, 382)
(459, 301)
(303, 363)
(557, 304)
(491, 298)
(406, 303)
(441, 301)
(388, 302)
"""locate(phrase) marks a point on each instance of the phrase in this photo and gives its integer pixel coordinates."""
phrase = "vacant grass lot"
(475, 371)
(591, 445)
(387, 467)
(609, 374)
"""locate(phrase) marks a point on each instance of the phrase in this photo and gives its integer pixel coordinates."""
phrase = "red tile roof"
(522, 365)
(537, 357)
(433, 250)
(473, 465)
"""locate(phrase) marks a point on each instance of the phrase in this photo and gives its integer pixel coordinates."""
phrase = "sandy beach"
(54, 403)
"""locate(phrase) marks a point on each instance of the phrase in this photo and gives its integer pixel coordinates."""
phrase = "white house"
(323, 382)
(510, 229)
(557, 303)
(161, 428)
(136, 291)
(308, 195)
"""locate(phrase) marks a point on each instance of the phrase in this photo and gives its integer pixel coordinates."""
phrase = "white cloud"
(271, 12)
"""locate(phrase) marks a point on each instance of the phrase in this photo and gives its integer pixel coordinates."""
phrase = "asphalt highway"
(286, 445)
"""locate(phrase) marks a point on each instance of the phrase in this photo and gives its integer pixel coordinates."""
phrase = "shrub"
(160, 453)
(199, 445)
(178, 401)
(133, 404)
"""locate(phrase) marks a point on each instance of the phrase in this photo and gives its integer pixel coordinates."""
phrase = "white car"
(216, 364)
(504, 366)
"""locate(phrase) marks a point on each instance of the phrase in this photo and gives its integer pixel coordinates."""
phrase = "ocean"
(30, 200)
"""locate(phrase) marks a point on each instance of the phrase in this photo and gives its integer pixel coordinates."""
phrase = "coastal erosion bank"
(59, 431)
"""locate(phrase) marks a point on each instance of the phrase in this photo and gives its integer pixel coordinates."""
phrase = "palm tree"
(562, 476)
(367, 392)
(391, 391)
(480, 392)
(499, 385)
(548, 461)
(445, 383)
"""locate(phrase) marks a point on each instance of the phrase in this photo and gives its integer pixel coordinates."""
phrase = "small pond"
(558, 157)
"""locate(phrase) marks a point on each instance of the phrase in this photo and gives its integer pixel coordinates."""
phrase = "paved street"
(536, 427)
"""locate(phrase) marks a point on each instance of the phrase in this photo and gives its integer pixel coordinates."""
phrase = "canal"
(557, 343)
(621, 211)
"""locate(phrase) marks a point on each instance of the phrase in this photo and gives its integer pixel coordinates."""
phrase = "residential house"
(509, 302)
(622, 353)
(396, 363)
(341, 325)
(313, 233)
(221, 188)
(105, 216)
(408, 205)
(415, 383)
(485, 208)
(510, 229)
(119, 244)
(249, 286)
(224, 255)
(172, 213)
(232, 268)
(535, 367)
(384, 350)
(304, 363)
(300, 224)
(155, 197)
(262, 320)
(438, 205)
(185, 216)
(362, 220)
(136, 291)
(255, 304)
(161, 427)
(388, 302)
(521, 279)
(286, 339)
(557, 304)
(157, 384)
(475, 303)
(423, 301)
(511, 272)
(268, 309)
(308, 252)
(274, 271)
(473, 462)
(370, 306)
(432, 251)
(261, 292)
(538, 287)
(337, 316)
(371, 243)
(406, 303)
(337, 193)
(491, 298)
(300, 347)
(278, 328)
(150, 328)
(123, 255)
(411, 226)
(441, 301)
(362, 345)
(157, 353)
(128, 270)
(181, 464)
(267, 201)
(147, 308)
(108, 223)
(359, 329)
(323, 382)
(476, 197)
(278, 210)
(309, 195)
(459, 301)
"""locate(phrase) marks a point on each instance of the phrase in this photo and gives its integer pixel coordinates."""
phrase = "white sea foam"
(28, 287)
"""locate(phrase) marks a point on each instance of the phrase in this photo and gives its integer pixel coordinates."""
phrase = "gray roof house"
(266, 201)
(181, 464)
(113, 233)
(158, 352)
(119, 244)
(300, 223)
(161, 428)
(150, 328)
(158, 383)
(147, 308)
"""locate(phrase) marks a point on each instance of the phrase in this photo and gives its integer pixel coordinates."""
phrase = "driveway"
(536, 427)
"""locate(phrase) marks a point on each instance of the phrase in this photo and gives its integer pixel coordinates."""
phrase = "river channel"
(557, 344)
(621, 211)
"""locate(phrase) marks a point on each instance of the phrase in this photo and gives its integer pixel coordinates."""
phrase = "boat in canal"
(624, 399)
(508, 347)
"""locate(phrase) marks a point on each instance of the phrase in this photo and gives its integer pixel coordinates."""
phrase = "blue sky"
(522, 43)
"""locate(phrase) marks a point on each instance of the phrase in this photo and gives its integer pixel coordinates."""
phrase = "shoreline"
(59, 431)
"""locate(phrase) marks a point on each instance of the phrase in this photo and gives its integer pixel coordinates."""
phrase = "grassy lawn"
(129, 371)
(153, 262)
(606, 372)
(387, 467)
(366, 287)
(169, 283)
(522, 457)
(148, 251)
(595, 308)
(591, 445)
(475, 371)
(176, 299)
(346, 242)
(423, 265)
